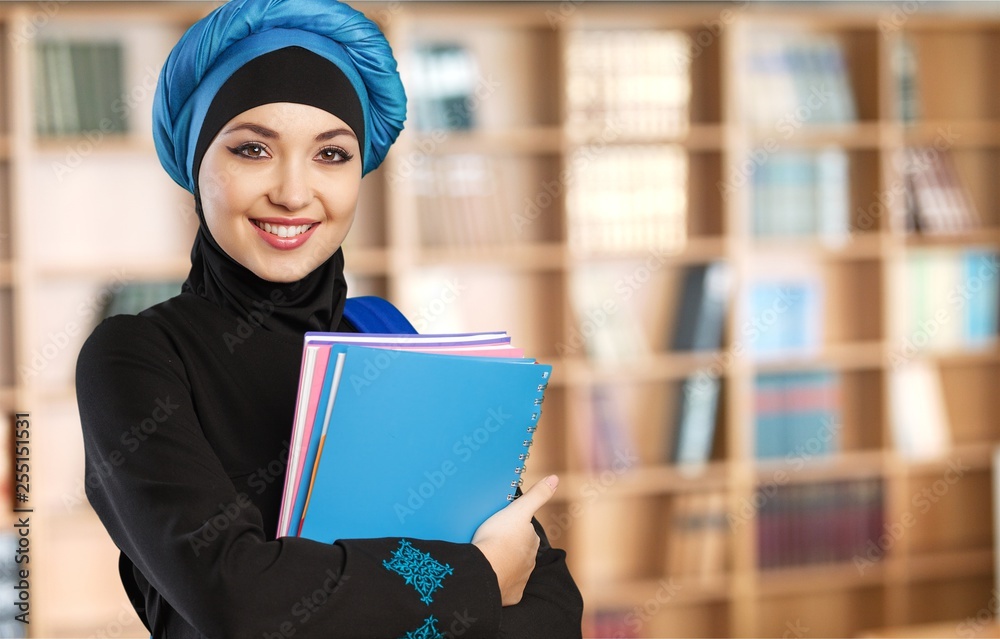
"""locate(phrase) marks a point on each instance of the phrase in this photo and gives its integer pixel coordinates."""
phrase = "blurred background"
(758, 241)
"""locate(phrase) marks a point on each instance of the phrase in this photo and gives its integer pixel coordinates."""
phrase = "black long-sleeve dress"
(186, 412)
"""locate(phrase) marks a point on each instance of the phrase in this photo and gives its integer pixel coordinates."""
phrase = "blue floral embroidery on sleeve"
(427, 631)
(418, 569)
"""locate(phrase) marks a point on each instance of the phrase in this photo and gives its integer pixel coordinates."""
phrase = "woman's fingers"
(536, 496)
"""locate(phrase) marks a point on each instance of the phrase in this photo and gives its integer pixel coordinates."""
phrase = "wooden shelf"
(861, 136)
(696, 250)
(698, 137)
(683, 591)
(846, 465)
(818, 578)
(958, 134)
(525, 140)
(645, 480)
(859, 355)
(987, 238)
(957, 628)
(978, 456)
(518, 257)
(948, 565)
(176, 269)
(650, 368)
(853, 246)
(118, 144)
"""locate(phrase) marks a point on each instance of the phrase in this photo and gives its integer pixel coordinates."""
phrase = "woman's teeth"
(281, 230)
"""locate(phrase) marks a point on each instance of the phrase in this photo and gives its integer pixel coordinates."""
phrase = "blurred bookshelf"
(758, 244)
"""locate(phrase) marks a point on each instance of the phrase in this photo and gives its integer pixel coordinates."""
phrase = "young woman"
(270, 112)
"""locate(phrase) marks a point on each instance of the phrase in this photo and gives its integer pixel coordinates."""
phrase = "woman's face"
(279, 185)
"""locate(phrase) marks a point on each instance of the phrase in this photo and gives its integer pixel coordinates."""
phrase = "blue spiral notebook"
(421, 445)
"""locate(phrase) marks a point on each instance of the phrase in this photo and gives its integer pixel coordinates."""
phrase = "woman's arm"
(551, 606)
(169, 505)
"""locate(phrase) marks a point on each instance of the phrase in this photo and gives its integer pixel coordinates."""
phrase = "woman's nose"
(291, 189)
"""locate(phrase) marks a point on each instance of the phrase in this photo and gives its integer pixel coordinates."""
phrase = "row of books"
(797, 414)
(79, 87)
(628, 198)
(918, 415)
(947, 299)
(937, 201)
(441, 86)
(134, 297)
(698, 542)
(804, 524)
(797, 193)
(606, 438)
(905, 71)
(796, 78)
(638, 79)
(462, 202)
(785, 314)
(606, 333)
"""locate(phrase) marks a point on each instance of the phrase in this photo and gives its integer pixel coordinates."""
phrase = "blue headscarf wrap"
(218, 45)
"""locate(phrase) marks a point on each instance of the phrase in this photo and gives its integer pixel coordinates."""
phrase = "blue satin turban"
(241, 30)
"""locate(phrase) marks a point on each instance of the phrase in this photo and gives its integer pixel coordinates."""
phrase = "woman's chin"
(283, 274)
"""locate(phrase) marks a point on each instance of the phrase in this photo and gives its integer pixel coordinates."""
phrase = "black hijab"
(316, 302)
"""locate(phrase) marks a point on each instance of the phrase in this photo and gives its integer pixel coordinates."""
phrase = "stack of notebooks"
(421, 436)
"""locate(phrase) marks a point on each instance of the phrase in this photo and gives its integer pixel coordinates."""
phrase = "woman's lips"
(284, 234)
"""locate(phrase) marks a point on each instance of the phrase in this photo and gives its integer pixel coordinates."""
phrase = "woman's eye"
(252, 150)
(334, 155)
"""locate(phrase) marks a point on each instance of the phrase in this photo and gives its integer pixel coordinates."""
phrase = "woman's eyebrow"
(332, 133)
(262, 131)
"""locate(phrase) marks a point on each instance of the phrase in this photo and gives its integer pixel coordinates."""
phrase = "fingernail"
(552, 481)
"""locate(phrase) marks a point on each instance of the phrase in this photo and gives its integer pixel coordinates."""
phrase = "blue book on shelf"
(421, 445)
(981, 283)
(698, 403)
(769, 418)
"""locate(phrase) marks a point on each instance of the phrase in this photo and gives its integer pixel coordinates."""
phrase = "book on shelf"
(797, 415)
(79, 87)
(134, 297)
(609, 329)
(696, 417)
(796, 78)
(697, 541)
(701, 314)
(937, 201)
(461, 202)
(606, 622)
(605, 436)
(802, 193)
(432, 430)
(785, 314)
(441, 85)
(946, 299)
(905, 73)
(16, 611)
(918, 414)
(637, 79)
(628, 198)
(816, 523)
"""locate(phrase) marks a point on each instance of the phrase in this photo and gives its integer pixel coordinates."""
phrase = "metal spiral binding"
(519, 470)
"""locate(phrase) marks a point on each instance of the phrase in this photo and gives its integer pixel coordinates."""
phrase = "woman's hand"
(509, 540)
